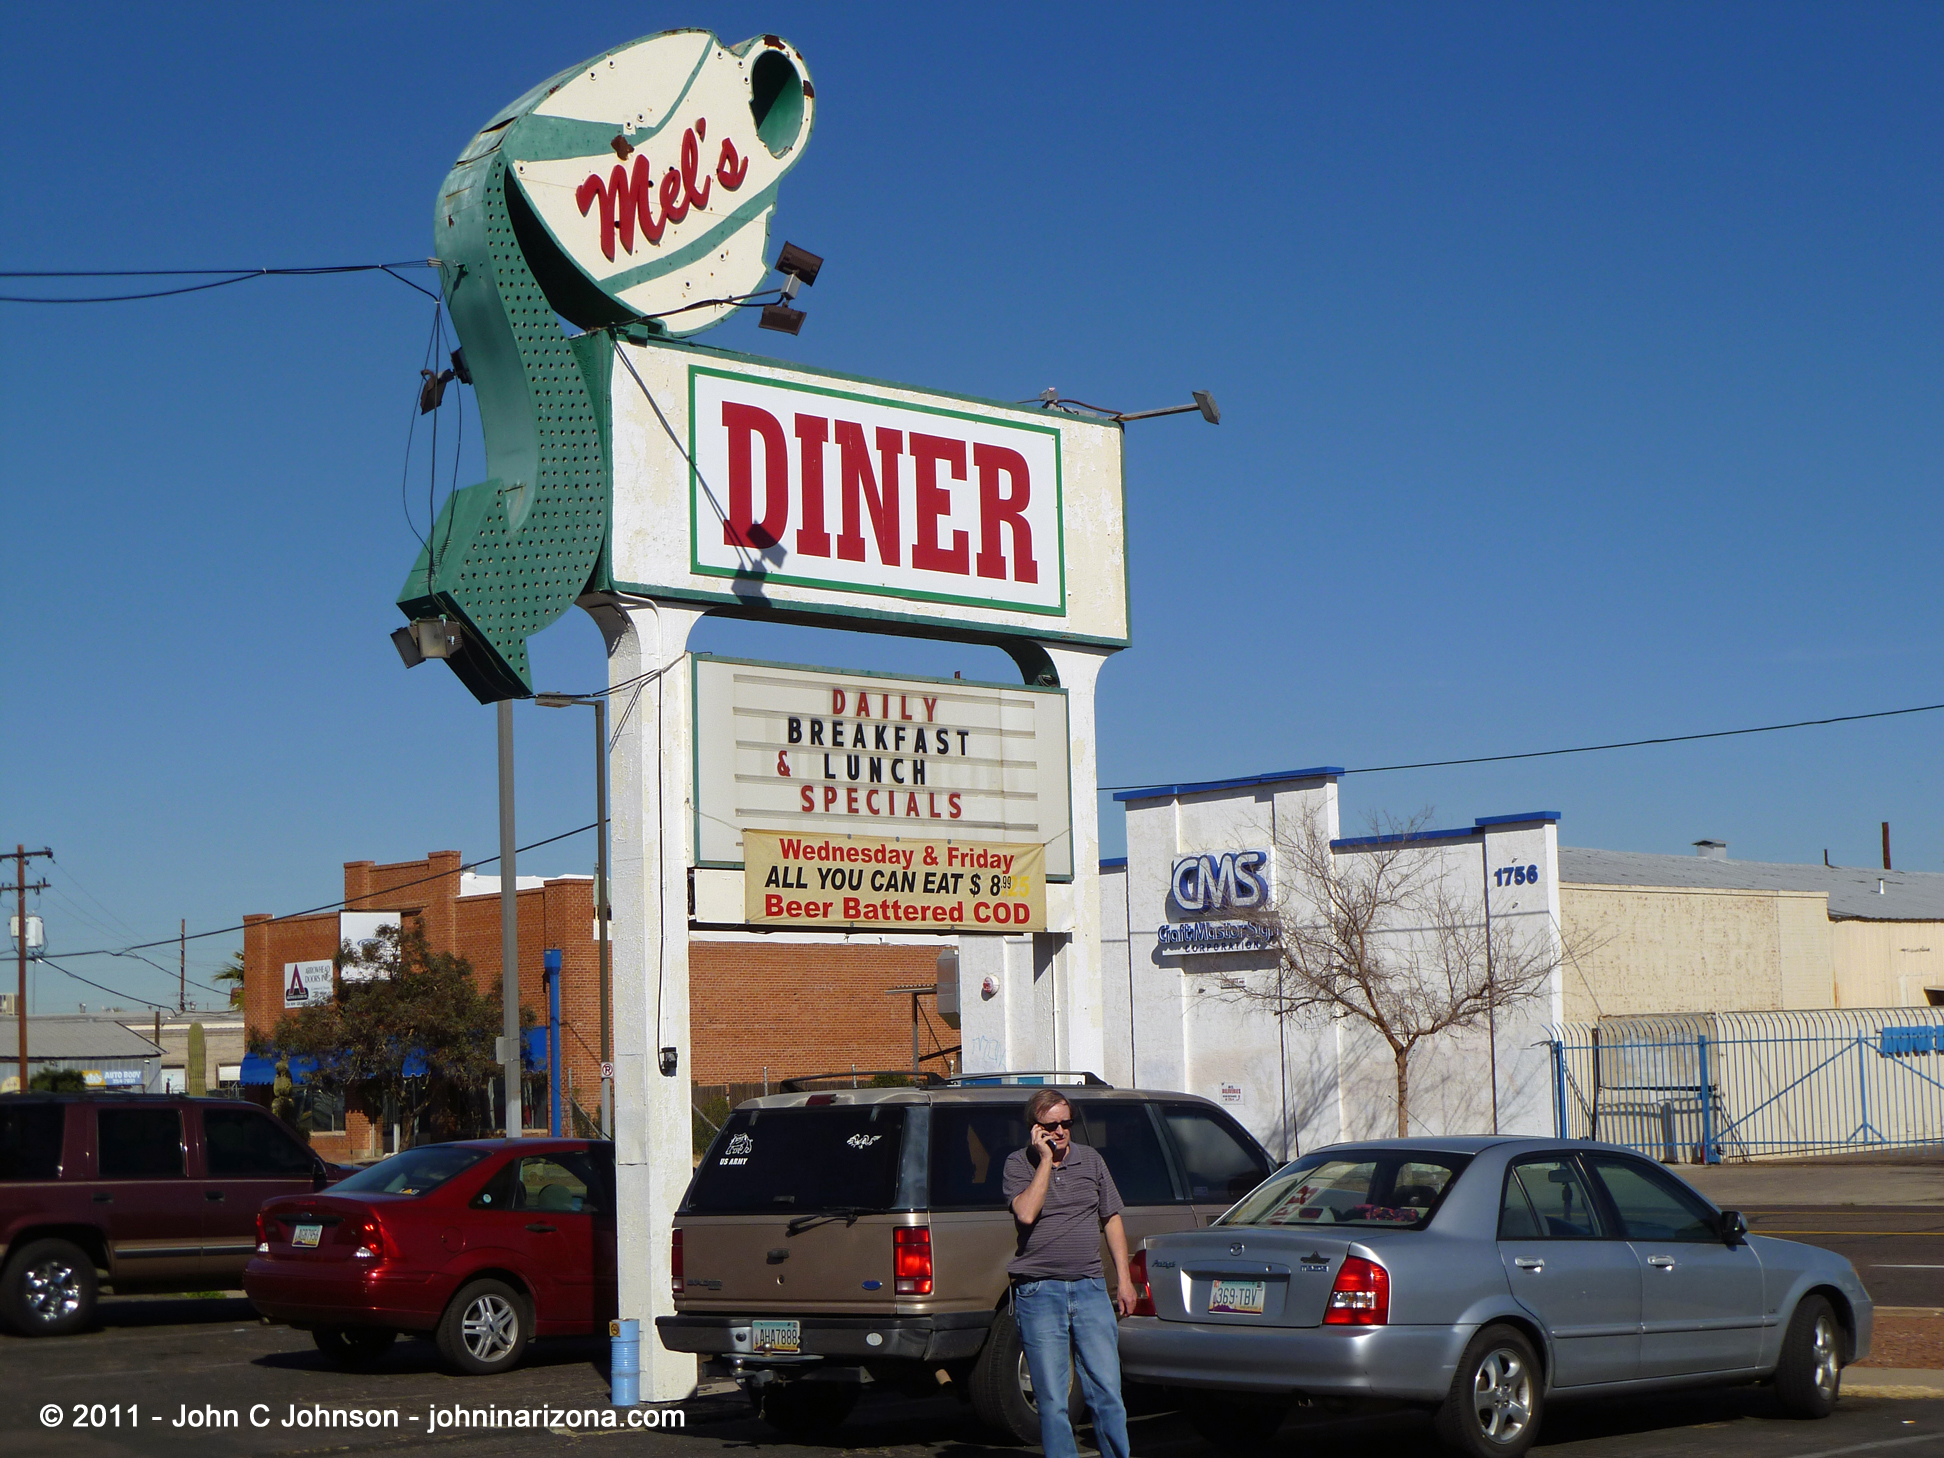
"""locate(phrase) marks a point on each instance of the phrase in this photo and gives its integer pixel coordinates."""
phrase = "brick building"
(760, 1005)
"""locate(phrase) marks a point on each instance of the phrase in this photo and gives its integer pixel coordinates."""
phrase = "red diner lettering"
(698, 197)
(673, 208)
(812, 540)
(731, 168)
(744, 423)
(772, 905)
(930, 501)
(954, 800)
(882, 504)
(809, 798)
(1010, 509)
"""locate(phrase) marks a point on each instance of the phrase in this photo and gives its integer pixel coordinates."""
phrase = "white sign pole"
(651, 760)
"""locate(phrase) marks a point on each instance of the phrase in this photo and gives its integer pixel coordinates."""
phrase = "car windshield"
(1390, 1189)
(792, 1161)
(415, 1172)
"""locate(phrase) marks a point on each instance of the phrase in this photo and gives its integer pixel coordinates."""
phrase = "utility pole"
(21, 856)
(601, 915)
(182, 967)
(509, 927)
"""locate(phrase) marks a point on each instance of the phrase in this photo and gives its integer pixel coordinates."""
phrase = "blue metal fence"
(1707, 1087)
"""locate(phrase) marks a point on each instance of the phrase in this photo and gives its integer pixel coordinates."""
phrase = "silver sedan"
(1482, 1278)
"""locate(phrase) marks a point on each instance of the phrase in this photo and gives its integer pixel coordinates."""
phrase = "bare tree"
(1388, 935)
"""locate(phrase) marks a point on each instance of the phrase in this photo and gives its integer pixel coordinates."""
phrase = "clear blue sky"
(1580, 370)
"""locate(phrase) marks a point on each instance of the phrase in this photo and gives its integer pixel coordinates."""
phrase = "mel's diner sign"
(800, 750)
(741, 481)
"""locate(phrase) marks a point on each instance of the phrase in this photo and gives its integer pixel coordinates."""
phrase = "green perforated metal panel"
(509, 555)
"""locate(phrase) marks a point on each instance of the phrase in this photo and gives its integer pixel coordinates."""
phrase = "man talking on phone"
(1062, 1199)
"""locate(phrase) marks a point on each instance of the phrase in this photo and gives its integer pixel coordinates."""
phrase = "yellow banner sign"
(819, 880)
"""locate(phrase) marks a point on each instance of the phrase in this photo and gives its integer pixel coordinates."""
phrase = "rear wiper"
(847, 1213)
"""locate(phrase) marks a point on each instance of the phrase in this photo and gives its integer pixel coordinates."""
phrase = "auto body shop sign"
(802, 750)
(824, 880)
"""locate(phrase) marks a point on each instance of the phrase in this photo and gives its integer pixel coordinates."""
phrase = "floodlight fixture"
(799, 263)
(1204, 402)
(427, 638)
(782, 318)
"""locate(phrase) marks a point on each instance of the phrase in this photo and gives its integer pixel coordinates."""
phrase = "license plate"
(306, 1234)
(1239, 1296)
(776, 1336)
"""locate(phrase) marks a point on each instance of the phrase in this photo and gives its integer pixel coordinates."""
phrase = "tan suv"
(833, 1236)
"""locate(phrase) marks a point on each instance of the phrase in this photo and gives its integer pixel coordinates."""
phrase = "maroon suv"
(159, 1193)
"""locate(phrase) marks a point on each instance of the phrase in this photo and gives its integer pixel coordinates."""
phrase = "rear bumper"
(1409, 1363)
(947, 1337)
(287, 1292)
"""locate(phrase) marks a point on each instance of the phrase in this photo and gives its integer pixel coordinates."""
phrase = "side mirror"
(320, 1175)
(1734, 1229)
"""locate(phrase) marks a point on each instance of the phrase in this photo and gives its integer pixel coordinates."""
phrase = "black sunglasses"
(1058, 1124)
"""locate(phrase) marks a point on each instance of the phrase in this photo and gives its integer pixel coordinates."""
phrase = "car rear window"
(969, 1146)
(1383, 1189)
(415, 1172)
(786, 1161)
(30, 1141)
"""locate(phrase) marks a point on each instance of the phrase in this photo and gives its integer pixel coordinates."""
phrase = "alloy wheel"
(1828, 1356)
(1026, 1382)
(52, 1289)
(1502, 1395)
(490, 1328)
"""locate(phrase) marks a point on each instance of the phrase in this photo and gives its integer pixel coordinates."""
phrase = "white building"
(1184, 1011)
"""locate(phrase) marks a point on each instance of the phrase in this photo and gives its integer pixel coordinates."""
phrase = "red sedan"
(482, 1245)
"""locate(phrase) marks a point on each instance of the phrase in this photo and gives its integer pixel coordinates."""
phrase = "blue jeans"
(1052, 1315)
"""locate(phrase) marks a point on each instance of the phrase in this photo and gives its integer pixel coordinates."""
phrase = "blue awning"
(261, 1070)
(257, 1069)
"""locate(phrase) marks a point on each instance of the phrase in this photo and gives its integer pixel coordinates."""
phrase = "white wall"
(1192, 1025)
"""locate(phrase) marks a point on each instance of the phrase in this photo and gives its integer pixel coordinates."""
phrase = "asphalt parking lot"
(152, 1359)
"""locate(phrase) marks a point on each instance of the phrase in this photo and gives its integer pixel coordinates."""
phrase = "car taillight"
(266, 1231)
(1143, 1293)
(675, 1262)
(911, 1262)
(1361, 1295)
(370, 1236)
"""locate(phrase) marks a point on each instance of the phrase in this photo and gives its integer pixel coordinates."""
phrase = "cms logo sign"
(1221, 881)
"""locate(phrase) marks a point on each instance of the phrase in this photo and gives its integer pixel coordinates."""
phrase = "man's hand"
(1042, 1142)
(1125, 1294)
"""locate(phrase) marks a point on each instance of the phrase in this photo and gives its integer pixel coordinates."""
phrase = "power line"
(1379, 769)
(209, 275)
(104, 987)
(329, 906)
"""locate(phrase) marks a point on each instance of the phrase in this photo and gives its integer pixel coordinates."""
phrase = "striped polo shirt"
(1064, 1243)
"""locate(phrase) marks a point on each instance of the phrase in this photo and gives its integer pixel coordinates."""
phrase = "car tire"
(356, 1348)
(1002, 1388)
(807, 1409)
(1232, 1422)
(1496, 1397)
(49, 1288)
(1809, 1376)
(485, 1328)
